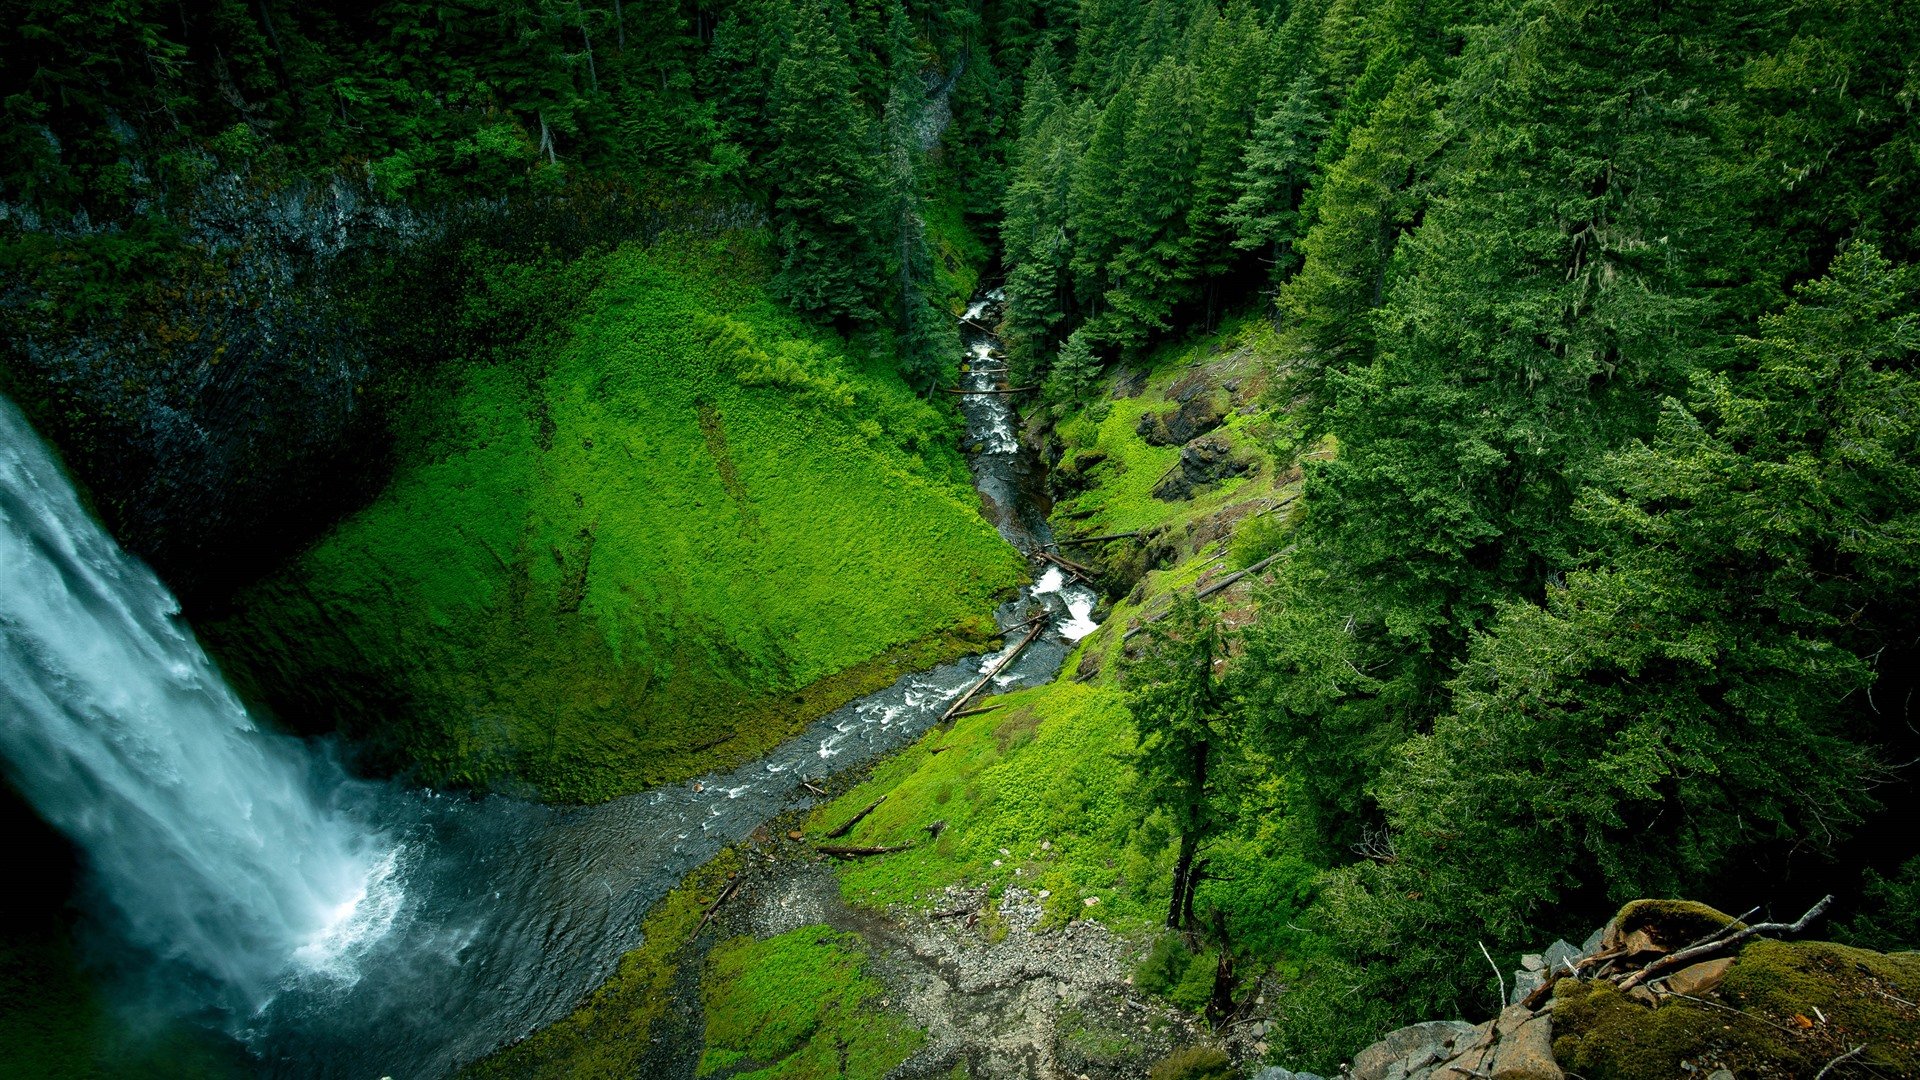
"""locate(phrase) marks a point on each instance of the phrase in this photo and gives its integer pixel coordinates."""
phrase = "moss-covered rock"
(1784, 1009)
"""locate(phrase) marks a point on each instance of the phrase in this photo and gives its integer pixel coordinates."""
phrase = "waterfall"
(233, 851)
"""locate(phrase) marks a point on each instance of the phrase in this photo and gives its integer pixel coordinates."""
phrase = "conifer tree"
(1152, 268)
(1076, 374)
(822, 171)
(1275, 171)
(1367, 199)
(1095, 218)
(1184, 743)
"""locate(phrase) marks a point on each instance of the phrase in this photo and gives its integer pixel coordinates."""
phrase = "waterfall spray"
(229, 849)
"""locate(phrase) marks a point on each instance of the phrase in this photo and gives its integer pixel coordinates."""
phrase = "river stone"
(1532, 962)
(1409, 1049)
(1593, 942)
(1525, 1051)
(1699, 978)
(1275, 1072)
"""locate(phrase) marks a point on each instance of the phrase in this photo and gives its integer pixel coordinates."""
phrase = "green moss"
(610, 1034)
(1785, 1009)
(1195, 1063)
(638, 557)
(1038, 786)
(798, 1006)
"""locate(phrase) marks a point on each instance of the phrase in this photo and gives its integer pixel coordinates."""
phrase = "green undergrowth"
(1047, 767)
(1112, 470)
(799, 1006)
(958, 252)
(654, 549)
(611, 1033)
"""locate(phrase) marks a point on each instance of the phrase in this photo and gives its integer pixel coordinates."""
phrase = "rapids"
(345, 928)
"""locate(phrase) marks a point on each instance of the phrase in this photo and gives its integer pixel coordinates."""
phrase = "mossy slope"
(639, 555)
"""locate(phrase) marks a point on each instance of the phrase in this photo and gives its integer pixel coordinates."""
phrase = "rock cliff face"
(1670, 988)
(204, 369)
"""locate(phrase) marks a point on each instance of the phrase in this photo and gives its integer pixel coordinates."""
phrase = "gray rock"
(1525, 1049)
(1533, 962)
(1524, 982)
(1194, 418)
(1203, 461)
(1410, 1049)
(1559, 955)
(1593, 942)
(1275, 1072)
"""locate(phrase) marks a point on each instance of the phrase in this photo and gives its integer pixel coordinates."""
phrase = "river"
(477, 920)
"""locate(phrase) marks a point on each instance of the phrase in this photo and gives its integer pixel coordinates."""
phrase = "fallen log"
(842, 851)
(1065, 564)
(938, 750)
(725, 895)
(995, 390)
(1715, 944)
(974, 712)
(1214, 588)
(954, 914)
(1039, 624)
(847, 826)
(1099, 539)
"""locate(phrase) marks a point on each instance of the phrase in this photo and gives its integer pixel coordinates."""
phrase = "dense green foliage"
(637, 553)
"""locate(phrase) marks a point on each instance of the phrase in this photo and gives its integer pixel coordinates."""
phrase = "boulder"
(1525, 1047)
(1203, 461)
(1411, 1049)
(1275, 1072)
(1699, 978)
(1193, 418)
(1560, 956)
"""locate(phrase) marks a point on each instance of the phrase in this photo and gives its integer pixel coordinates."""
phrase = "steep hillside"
(658, 547)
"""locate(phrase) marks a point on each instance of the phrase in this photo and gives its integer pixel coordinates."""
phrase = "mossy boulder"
(1783, 1009)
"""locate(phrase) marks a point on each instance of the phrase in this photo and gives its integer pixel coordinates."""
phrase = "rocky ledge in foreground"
(1670, 988)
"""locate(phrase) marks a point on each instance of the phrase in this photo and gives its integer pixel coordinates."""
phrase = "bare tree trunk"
(619, 27)
(546, 141)
(1182, 878)
(593, 76)
(1180, 909)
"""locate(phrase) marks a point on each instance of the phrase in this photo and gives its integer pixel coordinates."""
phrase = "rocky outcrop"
(1628, 1005)
(1175, 427)
(1206, 460)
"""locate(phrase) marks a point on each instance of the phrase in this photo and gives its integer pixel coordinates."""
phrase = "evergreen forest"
(556, 399)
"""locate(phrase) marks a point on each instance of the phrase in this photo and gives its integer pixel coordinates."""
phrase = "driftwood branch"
(1496, 973)
(975, 712)
(713, 908)
(847, 826)
(1073, 569)
(1721, 944)
(843, 851)
(1829, 1066)
(810, 786)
